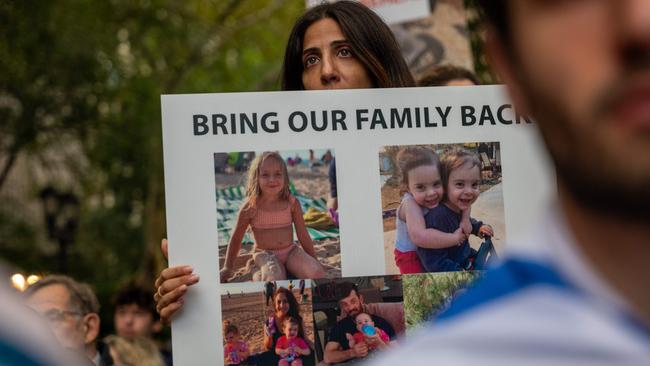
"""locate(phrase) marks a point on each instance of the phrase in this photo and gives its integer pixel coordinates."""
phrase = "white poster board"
(368, 120)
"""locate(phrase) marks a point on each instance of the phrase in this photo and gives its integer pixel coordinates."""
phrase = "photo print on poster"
(366, 312)
(427, 295)
(274, 212)
(442, 206)
(261, 317)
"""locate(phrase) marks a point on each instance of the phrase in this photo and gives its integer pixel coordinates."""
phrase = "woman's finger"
(173, 272)
(168, 311)
(172, 284)
(164, 246)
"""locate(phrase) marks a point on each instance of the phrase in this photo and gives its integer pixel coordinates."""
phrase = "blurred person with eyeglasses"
(71, 309)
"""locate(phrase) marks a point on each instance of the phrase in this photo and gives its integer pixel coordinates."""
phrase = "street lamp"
(61, 220)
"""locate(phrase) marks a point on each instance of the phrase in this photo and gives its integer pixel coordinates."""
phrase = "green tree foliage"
(426, 295)
(89, 74)
(477, 40)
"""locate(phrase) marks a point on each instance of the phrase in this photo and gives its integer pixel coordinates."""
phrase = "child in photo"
(461, 175)
(290, 347)
(273, 213)
(373, 336)
(422, 191)
(235, 351)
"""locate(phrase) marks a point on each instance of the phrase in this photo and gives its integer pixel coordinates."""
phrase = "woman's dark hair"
(294, 308)
(370, 39)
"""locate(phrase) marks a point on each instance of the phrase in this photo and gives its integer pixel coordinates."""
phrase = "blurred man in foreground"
(582, 70)
(71, 309)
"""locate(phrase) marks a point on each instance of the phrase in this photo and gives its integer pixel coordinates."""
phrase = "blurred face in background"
(460, 82)
(67, 323)
(133, 321)
(582, 69)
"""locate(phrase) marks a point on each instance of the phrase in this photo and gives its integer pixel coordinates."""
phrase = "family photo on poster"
(268, 323)
(357, 318)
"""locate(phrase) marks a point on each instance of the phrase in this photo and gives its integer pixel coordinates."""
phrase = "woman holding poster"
(342, 45)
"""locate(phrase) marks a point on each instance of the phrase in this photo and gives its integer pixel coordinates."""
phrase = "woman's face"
(328, 61)
(281, 303)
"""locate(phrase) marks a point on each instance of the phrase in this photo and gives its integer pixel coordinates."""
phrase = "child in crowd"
(461, 175)
(422, 190)
(272, 213)
(373, 336)
(290, 347)
(235, 351)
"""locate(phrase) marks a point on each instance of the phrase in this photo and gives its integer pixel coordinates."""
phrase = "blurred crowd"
(67, 310)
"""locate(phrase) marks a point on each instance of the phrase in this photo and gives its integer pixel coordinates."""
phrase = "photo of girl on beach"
(279, 332)
(442, 207)
(273, 218)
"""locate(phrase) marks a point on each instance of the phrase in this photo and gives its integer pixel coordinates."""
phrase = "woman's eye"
(345, 52)
(310, 61)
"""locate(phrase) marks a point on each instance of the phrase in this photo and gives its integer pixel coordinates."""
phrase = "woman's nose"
(329, 73)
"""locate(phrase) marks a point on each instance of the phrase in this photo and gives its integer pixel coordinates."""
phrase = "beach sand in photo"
(328, 252)
(248, 312)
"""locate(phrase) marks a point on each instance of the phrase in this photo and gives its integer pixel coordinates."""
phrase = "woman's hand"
(171, 285)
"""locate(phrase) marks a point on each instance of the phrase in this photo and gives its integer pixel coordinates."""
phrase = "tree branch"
(9, 163)
(224, 33)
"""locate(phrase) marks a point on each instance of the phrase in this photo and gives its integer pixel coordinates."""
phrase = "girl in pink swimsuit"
(272, 213)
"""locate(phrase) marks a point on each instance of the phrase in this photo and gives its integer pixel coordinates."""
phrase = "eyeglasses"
(57, 316)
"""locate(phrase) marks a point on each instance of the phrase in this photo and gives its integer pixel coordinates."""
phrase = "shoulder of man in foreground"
(523, 312)
(544, 306)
